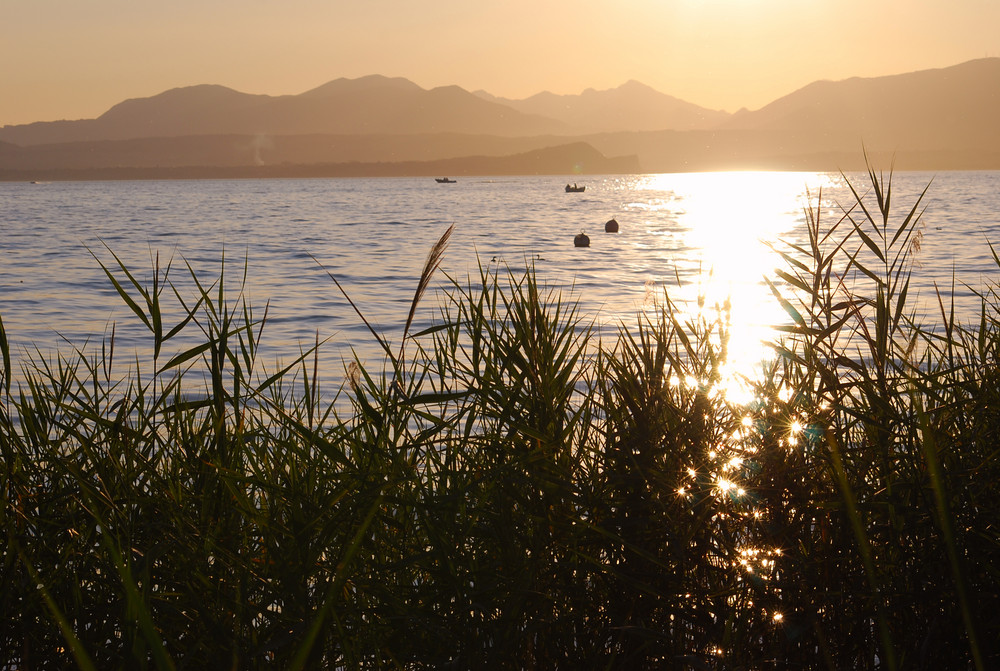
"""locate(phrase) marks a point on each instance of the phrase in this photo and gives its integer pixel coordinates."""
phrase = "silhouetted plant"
(514, 493)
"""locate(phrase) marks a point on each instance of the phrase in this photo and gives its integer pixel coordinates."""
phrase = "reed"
(515, 492)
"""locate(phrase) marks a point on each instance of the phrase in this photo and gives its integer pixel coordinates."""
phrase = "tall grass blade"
(129, 301)
(786, 305)
(5, 354)
(80, 655)
(302, 655)
(378, 337)
(945, 516)
(864, 547)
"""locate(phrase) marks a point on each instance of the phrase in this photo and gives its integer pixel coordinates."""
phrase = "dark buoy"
(611, 226)
(581, 240)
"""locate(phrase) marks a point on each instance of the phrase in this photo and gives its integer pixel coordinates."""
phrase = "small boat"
(444, 180)
(575, 188)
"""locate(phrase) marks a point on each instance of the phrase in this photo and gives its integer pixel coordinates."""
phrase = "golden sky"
(71, 59)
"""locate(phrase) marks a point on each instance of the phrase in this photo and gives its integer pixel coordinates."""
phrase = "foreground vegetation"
(511, 493)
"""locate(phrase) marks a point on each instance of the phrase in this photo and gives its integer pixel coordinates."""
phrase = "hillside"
(633, 106)
(574, 158)
(371, 105)
(943, 109)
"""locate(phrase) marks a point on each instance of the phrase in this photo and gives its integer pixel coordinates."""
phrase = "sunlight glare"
(730, 217)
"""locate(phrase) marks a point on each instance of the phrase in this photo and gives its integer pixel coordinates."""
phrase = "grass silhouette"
(516, 493)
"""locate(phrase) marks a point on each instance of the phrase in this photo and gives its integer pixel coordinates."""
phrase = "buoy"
(581, 240)
(611, 226)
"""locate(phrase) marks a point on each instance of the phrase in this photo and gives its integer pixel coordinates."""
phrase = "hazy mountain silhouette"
(949, 108)
(941, 119)
(370, 105)
(633, 106)
(234, 150)
(932, 119)
(578, 158)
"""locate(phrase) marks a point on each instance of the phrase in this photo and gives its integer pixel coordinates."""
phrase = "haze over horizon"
(75, 60)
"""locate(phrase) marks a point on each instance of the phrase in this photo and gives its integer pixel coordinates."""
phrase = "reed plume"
(434, 258)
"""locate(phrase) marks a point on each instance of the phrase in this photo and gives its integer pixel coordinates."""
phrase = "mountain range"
(931, 119)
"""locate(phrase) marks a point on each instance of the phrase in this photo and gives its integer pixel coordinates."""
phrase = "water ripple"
(373, 235)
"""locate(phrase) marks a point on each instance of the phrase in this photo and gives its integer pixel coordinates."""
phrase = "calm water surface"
(688, 234)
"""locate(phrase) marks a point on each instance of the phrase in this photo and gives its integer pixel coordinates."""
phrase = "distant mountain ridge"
(946, 107)
(633, 106)
(932, 119)
(373, 105)
(370, 105)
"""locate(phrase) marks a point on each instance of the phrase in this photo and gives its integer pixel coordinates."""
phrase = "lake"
(687, 234)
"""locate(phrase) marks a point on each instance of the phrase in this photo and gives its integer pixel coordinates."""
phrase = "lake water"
(686, 233)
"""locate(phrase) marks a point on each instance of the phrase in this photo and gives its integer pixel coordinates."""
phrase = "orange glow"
(75, 60)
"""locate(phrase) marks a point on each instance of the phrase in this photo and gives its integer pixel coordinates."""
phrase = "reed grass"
(515, 492)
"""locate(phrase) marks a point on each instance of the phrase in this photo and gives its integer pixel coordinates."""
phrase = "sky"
(72, 59)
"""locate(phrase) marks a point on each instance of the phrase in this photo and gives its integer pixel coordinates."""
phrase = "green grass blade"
(80, 656)
(788, 307)
(863, 544)
(5, 353)
(945, 516)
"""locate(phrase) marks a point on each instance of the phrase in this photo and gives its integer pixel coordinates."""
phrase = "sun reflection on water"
(728, 218)
(725, 223)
